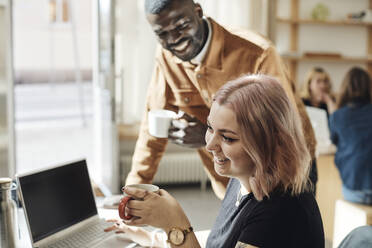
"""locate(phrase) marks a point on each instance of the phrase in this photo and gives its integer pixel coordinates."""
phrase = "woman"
(316, 90)
(351, 132)
(255, 137)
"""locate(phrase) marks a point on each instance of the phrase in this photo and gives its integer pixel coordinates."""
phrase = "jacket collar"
(213, 58)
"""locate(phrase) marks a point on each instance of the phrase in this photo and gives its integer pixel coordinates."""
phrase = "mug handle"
(122, 205)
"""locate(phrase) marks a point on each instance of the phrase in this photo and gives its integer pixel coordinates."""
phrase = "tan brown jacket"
(178, 85)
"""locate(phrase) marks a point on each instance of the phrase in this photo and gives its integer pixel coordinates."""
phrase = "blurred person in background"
(317, 90)
(351, 131)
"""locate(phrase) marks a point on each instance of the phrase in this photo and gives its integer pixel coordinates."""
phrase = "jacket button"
(199, 76)
(186, 99)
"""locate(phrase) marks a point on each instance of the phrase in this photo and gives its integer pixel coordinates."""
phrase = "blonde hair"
(305, 90)
(271, 134)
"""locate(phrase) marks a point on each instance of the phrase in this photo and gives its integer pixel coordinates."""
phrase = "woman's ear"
(198, 9)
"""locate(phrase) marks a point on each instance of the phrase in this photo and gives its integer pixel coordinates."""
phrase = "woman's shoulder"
(288, 217)
(341, 112)
(369, 106)
(352, 109)
(287, 204)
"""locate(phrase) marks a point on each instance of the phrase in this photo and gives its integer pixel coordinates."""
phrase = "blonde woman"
(256, 140)
(317, 90)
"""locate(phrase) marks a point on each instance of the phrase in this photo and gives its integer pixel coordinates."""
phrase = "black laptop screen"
(57, 198)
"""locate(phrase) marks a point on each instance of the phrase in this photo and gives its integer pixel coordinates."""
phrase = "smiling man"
(182, 31)
(196, 57)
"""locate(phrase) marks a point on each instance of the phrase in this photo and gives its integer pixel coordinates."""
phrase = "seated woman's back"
(351, 132)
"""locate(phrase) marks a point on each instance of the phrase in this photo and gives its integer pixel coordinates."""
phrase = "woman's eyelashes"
(228, 139)
(209, 128)
(224, 137)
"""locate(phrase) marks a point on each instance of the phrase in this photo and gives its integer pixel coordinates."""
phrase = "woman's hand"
(156, 209)
(136, 234)
(331, 105)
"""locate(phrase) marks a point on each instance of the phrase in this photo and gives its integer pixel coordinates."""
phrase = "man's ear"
(198, 9)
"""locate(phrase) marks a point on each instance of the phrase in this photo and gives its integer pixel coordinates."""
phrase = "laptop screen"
(57, 198)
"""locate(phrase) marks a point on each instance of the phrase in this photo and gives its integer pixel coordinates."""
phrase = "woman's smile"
(220, 161)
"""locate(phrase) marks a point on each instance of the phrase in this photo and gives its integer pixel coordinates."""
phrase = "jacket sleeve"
(270, 63)
(149, 150)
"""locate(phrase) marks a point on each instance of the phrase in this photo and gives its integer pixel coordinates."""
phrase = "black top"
(323, 106)
(279, 221)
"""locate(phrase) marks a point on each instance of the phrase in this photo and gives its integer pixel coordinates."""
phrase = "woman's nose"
(211, 142)
(323, 85)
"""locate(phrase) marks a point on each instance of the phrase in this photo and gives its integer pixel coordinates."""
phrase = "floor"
(49, 129)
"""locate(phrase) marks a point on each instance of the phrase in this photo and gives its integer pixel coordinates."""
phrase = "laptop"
(60, 208)
(319, 122)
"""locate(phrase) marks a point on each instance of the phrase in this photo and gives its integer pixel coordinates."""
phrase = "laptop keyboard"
(85, 237)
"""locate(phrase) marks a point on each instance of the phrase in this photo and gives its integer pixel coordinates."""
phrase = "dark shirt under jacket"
(323, 106)
(351, 132)
(280, 221)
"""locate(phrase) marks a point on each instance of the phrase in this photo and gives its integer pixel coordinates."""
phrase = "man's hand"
(187, 131)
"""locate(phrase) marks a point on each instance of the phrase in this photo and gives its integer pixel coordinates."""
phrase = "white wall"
(7, 158)
(222, 11)
(3, 84)
(2, 43)
(35, 37)
(135, 51)
(347, 40)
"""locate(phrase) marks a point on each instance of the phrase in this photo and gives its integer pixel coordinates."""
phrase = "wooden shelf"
(329, 22)
(330, 59)
(294, 57)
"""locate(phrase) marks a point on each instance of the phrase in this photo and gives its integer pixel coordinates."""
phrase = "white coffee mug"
(160, 121)
(126, 198)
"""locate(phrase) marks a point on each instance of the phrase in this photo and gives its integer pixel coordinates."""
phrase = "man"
(196, 57)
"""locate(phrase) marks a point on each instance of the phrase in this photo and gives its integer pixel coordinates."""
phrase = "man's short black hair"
(157, 6)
